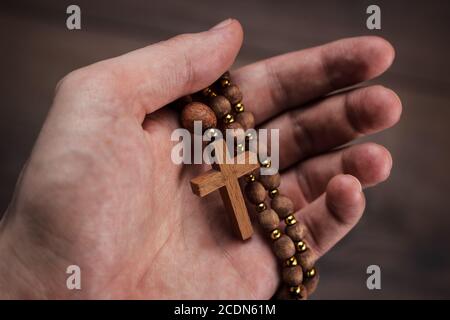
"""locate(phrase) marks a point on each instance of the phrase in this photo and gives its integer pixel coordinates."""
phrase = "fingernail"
(222, 24)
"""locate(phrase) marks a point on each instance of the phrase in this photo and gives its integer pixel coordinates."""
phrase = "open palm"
(100, 190)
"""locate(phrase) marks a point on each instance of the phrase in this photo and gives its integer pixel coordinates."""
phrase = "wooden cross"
(224, 176)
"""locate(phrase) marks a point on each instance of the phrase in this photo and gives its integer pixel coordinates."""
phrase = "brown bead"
(197, 111)
(237, 130)
(220, 105)
(246, 118)
(283, 206)
(268, 219)
(297, 231)
(232, 93)
(292, 276)
(284, 247)
(306, 259)
(270, 181)
(255, 192)
(311, 283)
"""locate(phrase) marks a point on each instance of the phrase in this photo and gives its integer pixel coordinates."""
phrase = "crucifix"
(224, 177)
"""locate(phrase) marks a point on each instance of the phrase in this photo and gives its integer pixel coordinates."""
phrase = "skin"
(99, 190)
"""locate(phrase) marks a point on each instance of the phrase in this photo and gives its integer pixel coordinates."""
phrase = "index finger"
(273, 85)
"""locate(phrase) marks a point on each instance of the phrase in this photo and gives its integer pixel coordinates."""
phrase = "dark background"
(406, 227)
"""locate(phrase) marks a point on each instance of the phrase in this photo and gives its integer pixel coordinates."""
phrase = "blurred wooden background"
(406, 227)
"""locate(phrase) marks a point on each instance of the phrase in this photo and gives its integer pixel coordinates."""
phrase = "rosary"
(220, 107)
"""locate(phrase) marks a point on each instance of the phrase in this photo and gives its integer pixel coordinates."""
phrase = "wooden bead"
(306, 260)
(284, 247)
(283, 206)
(220, 105)
(197, 111)
(292, 276)
(255, 192)
(246, 118)
(237, 130)
(268, 219)
(270, 181)
(297, 231)
(311, 283)
(232, 93)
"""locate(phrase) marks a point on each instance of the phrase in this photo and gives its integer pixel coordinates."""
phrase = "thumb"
(165, 71)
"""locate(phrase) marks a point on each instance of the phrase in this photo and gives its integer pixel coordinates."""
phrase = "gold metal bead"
(295, 290)
(290, 220)
(266, 163)
(251, 177)
(239, 107)
(249, 136)
(207, 92)
(291, 262)
(261, 207)
(311, 272)
(212, 94)
(301, 246)
(212, 133)
(275, 234)
(225, 83)
(228, 118)
(273, 193)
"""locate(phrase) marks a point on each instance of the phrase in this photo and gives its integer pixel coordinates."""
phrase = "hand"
(100, 191)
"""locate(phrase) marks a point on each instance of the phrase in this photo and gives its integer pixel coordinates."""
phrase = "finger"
(270, 86)
(370, 163)
(153, 76)
(334, 121)
(331, 216)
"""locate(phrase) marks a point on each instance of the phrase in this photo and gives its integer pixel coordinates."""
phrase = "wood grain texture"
(225, 177)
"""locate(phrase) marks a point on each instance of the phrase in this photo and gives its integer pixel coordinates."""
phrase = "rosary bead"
(290, 220)
(237, 130)
(225, 83)
(275, 234)
(250, 136)
(301, 246)
(306, 260)
(298, 292)
(270, 181)
(220, 105)
(273, 193)
(251, 177)
(297, 231)
(255, 192)
(267, 163)
(284, 247)
(197, 111)
(268, 219)
(228, 118)
(239, 107)
(260, 207)
(232, 93)
(292, 276)
(311, 273)
(207, 92)
(311, 283)
(247, 119)
(292, 261)
(283, 206)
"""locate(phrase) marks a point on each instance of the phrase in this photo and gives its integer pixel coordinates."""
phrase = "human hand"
(100, 191)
